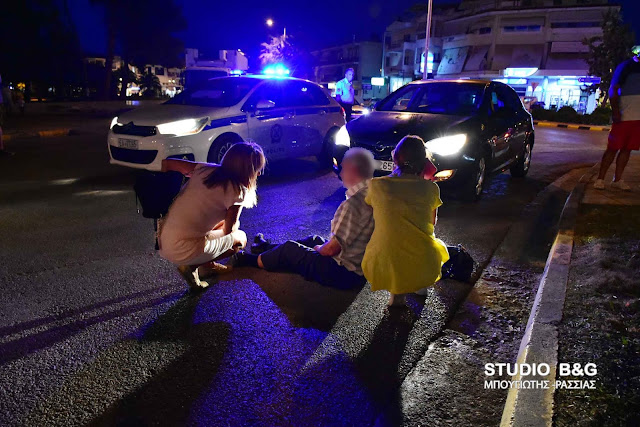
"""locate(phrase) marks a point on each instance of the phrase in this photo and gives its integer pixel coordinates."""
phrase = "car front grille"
(380, 150)
(141, 157)
(131, 129)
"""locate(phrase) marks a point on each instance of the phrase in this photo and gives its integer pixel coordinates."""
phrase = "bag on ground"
(460, 264)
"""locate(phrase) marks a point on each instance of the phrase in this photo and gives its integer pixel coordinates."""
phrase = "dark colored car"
(473, 128)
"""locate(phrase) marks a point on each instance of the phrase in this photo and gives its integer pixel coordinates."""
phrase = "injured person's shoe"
(260, 244)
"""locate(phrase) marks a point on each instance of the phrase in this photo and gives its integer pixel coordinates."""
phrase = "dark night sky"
(232, 24)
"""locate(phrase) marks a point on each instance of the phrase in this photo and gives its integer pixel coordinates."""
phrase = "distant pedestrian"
(345, 94)
(404, 255)
(625, 131)
(202, 225)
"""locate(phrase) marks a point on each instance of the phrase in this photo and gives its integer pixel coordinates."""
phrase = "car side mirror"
(265, 104)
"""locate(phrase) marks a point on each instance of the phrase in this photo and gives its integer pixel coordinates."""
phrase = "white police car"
(288, 117)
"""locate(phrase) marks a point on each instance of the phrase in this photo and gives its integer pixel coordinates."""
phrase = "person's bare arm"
(614, 97)
(231, 222)
(330, 248)
(434, 217)
(185, 167)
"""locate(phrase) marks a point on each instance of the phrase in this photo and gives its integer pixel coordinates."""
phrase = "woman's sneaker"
(620, 185)
(599, 184)
(213, 268)
(190, 274)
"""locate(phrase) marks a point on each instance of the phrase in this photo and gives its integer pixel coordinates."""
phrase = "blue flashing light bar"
(276, 70)
(236, 72)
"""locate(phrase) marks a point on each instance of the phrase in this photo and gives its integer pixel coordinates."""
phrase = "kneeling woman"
(202, 223)
(403, 254)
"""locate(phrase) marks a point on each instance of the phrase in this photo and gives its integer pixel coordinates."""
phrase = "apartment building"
(364, 57)
(536, 46)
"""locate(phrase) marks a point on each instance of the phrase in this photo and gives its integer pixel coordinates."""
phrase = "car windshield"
(451, 98)
(219, 92)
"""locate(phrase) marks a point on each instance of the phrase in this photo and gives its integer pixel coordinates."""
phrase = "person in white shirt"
(345, 93)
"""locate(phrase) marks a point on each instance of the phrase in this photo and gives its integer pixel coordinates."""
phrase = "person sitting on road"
(334, 262)
(403, 254)
(202, 223)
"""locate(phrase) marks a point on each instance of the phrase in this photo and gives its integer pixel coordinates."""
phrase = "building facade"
(536, 46)
(364, 57)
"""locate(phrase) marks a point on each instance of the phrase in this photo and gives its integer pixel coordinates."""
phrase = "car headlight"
(447, 145)
(183, 127)
(342, 137)
(114, 122)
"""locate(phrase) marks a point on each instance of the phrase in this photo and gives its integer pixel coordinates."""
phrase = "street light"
(425, 74)
(270, 23)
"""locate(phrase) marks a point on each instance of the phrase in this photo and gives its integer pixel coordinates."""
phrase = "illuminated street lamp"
(270, 22)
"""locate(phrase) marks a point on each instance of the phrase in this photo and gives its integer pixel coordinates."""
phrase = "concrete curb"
(534, 406)
(571, 126)
(40, 134)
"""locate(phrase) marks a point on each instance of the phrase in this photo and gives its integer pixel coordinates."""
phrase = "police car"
(288, 117)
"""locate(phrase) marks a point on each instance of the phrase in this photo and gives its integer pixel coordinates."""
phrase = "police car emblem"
(276, 133)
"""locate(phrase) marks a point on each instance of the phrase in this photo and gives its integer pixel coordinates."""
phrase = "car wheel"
(520, 169)
(475, 185)
(219, 149)
(325, 157)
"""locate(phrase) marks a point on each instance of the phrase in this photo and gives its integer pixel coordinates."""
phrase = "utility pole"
(425, 74)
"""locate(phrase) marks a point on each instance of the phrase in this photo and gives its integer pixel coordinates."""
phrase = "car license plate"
(131, 144)
(385, 166)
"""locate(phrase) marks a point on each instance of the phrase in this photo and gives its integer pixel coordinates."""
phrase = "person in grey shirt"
(335, 262)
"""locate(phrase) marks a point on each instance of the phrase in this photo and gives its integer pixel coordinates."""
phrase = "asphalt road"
(95, 328)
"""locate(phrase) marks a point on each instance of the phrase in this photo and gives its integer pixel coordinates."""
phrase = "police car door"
(312, 119)
(271, 120)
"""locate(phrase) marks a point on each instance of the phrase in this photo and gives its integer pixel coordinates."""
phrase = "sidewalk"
(586, 311)
(603, 277)
(54, 119)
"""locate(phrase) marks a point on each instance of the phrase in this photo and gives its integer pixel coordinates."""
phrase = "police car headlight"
(183, 127)
(114, 122)
(342, 137)
(447, 145)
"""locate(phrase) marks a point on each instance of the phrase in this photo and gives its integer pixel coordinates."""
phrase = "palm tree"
(150, 84)
(276, 50)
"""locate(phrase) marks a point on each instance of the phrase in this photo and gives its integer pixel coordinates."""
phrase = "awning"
(526, 56)
(453, 60)
(477, 60)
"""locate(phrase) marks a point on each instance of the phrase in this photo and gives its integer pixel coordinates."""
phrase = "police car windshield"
(220, 92)
(457, 99)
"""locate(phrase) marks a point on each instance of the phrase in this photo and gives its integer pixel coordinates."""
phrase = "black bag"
(156, 190)
(460, 264)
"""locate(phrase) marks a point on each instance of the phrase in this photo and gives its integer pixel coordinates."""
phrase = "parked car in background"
(288, 117)
(473, 128)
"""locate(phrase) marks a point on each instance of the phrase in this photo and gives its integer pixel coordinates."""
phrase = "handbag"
(460, 264)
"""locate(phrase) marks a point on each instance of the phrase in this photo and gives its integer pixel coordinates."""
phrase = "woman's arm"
(185, 167)
(231, 222)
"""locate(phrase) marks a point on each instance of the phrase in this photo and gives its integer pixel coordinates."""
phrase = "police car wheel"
(219, 149)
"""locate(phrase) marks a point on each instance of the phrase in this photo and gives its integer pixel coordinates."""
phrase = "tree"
(606, 52)
(277, 50)
(145, 32)
(150, 84)
(39, 46)
(281, 49)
